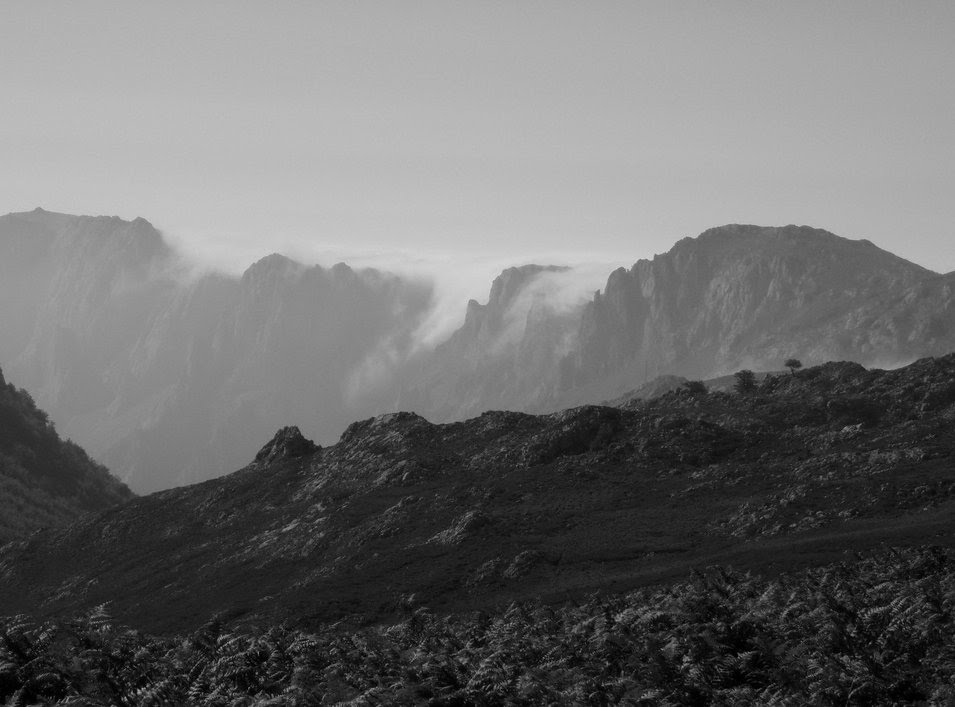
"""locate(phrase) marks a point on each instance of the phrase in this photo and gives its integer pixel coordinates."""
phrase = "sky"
(454, 133)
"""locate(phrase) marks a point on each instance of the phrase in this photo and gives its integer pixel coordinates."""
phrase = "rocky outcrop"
(287, 443)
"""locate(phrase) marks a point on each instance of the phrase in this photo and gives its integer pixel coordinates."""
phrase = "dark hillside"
(44, 481)
(510, 506)
(872, 630)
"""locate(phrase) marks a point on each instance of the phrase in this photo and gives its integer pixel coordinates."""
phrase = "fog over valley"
(173, 368)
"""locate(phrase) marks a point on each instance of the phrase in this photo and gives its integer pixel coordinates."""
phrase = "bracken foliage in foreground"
(873, 631)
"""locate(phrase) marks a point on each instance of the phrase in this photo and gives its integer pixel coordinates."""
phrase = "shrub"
(694, 388)
(745, 381)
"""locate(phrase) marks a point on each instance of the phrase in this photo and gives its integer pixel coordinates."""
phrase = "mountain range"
(169, 375)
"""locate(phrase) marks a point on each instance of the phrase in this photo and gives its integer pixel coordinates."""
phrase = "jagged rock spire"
(288, 442)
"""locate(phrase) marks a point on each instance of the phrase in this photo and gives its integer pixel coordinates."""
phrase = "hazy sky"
(600, 131)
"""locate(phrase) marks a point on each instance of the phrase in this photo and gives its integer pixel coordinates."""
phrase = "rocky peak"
(509, 284)
(287, 443)
(343, 271)
(746, 243)
(390, 426)
(744, 296)
(272, 265)
(486, 322)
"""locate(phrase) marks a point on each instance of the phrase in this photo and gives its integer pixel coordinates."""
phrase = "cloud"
(454, 279)
(555, 293)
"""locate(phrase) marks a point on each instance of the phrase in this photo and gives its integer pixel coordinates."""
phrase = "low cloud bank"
(453, 280)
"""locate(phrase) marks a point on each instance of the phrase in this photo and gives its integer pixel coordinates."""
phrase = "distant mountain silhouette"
(44, 481)
(170, 377)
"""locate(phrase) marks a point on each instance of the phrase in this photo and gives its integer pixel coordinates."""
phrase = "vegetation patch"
(875, 630)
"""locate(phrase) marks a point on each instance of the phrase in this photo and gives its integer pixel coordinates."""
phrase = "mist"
(172, 361)
(453, 276)
(172, 358)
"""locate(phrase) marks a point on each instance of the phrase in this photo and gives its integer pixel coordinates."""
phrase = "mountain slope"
(169, 376)
(44, 481)
(747, 296)
(508, 505)
(733, 297)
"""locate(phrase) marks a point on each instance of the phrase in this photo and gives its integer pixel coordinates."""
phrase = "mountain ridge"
(509, 505)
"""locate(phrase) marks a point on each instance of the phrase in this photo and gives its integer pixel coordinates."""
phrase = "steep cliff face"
(734, 297)
(746, 296)
(280, 345)
(505, 355)
(92, 284)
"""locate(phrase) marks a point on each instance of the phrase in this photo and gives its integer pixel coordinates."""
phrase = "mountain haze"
(169, 375)
(734, 297)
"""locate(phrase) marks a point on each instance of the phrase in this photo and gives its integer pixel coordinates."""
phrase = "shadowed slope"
(509, 505)
(44, 481)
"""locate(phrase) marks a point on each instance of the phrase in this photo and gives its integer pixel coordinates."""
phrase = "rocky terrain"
(170, 376)
(402, 512)
(45, 481)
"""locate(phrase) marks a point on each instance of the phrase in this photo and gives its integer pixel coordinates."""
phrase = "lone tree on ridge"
(793, 364)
